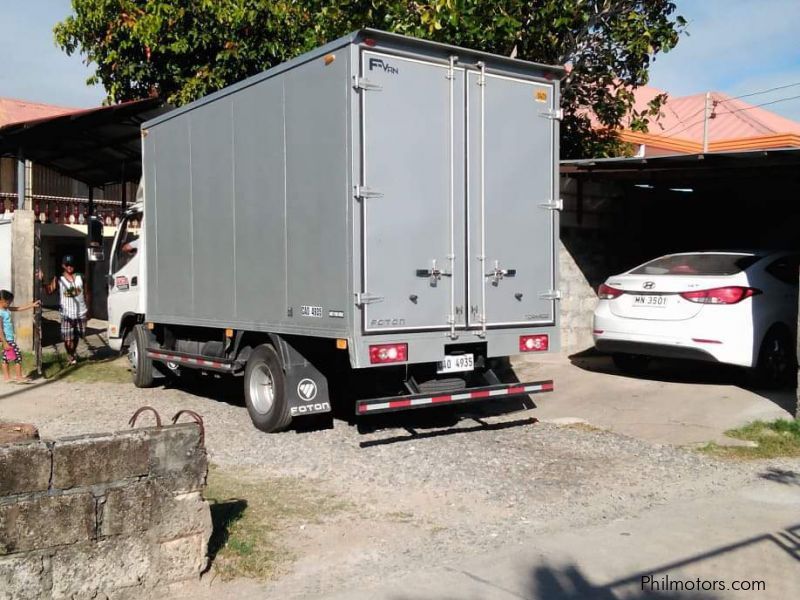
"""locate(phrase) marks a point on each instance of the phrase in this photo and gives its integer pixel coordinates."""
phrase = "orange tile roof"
(735, 125)
(15, 111)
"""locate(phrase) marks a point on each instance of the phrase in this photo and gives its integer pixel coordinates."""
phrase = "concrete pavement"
(702, 546)
(676, 402)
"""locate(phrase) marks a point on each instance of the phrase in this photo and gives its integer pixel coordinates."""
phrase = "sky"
(734, 46)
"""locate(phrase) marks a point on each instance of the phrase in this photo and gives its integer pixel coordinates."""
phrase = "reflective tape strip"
(366, 406)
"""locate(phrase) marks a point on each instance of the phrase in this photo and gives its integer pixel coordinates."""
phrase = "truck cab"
(126, 298)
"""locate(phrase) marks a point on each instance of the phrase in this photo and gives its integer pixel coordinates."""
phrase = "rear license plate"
(651, 301)
(457, 363)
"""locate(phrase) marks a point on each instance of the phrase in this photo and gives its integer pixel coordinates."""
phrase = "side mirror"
(94, 240)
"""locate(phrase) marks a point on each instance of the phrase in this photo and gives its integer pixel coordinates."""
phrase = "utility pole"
(706, 117)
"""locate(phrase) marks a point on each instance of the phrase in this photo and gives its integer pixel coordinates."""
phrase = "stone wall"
(102, 516)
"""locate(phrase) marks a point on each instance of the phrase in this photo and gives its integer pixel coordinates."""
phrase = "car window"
(785, 269)
(697, 264)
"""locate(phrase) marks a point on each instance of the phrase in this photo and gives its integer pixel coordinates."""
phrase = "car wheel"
(777, 360)
(631, 364)
(141, 365)
(265, 390)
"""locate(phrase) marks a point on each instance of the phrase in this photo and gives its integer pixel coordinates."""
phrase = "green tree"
(183, 50)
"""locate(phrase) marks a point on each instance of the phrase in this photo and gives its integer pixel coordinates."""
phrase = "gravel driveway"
(448, 492)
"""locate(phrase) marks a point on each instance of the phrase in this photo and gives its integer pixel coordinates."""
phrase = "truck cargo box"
(379, 188)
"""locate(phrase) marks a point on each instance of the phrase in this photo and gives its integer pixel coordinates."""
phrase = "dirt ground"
(424, 491)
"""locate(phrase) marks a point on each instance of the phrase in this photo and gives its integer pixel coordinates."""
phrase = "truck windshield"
(128, 241)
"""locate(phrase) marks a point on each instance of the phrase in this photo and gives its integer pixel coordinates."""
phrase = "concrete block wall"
(102, 516)
(578, 301)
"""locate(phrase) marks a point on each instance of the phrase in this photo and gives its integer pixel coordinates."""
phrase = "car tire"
(265, 390)
(141, 365)
(776, 366)
(631, 364)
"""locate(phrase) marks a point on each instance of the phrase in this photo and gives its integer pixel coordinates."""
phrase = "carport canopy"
(683, 169)
(98, 146)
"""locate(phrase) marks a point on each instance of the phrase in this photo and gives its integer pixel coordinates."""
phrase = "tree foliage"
(185, 49)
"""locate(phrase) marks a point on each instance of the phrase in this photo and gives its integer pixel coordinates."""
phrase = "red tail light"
(388, 353)
(606, 292)
(534, 343)
(724, 295)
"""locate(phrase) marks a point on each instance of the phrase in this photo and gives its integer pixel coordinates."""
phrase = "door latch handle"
(434, 273)
(497, 273)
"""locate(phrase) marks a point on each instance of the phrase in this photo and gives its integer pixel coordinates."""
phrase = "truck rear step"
(395, 403)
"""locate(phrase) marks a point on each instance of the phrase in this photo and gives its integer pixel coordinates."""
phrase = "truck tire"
(777, 361)
(141, 366)
(265, 390)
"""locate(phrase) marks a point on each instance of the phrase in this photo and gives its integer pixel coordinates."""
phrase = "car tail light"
(724, 295)
(534, 343)
(388, 353)
(606, 292)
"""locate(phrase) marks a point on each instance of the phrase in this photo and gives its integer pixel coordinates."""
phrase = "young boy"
(10, 349)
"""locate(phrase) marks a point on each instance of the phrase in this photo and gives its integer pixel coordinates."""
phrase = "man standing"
(73, 305)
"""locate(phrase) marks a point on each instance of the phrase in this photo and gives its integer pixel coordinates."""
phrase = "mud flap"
(306, 387)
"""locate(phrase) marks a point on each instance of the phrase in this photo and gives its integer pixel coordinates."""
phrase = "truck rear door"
(511, 233)
(411, 194)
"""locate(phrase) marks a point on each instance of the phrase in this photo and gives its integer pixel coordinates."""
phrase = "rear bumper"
(657, 350)
(396, 403)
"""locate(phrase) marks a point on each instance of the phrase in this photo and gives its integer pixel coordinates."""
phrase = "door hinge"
(556, 114)
(363, 192)
(557, 204)
(551, 295)
(362, 83)
(363, 298)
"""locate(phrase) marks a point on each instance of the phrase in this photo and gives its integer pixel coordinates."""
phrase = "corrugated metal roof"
(13, 110)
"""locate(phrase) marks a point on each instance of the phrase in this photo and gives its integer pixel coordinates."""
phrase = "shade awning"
(97, 146)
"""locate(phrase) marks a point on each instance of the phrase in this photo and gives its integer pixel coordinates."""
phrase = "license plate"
(456, 363)
(653, 300)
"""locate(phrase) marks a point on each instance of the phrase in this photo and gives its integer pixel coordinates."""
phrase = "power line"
(728, 112)
(780, 87)
(718, 102)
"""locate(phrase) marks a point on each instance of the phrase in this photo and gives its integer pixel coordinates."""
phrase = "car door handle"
(134, 281)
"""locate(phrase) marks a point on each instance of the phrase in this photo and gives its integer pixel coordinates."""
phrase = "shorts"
(12, 353)
(73, 329)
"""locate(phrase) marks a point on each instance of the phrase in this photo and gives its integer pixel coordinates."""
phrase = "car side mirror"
(94, 240)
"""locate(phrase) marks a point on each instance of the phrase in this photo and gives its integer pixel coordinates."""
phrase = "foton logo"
(387, 322)
(307, 390)
(380, 64)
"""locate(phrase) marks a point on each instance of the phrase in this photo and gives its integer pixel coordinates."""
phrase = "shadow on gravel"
(414, 435)
(686, 371)
(783, 476)
(223, 516)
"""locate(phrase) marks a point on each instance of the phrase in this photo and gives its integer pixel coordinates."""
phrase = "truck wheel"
(265, 390)
(141, 366)
(777, 361)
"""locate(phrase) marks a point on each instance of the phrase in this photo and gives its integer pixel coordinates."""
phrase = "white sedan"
(738, 308)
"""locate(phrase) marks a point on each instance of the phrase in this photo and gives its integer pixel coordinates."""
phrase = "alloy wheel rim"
(262, 389)
(133, 354)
